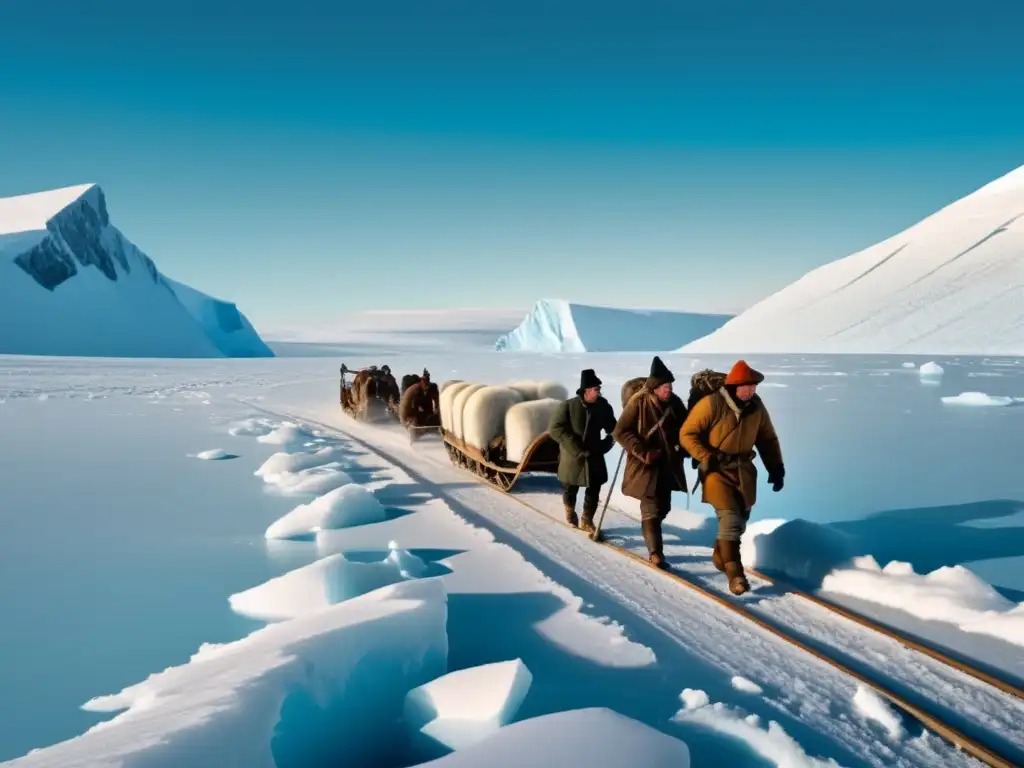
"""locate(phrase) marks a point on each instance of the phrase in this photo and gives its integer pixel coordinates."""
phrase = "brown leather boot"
(716, 557)
(570, 516)
(587, 521)
(738, 583)
(652, 537)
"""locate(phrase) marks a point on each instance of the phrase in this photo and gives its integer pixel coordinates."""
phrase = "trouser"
(658, 506)
(731, 524)
(590, 496)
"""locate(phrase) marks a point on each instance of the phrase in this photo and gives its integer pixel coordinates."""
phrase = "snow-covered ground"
(126, 552)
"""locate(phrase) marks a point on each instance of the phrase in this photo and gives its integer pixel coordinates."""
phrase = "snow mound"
(951, 594)
(773, 744)
(282, 462)
(344, 507)
(930, 370)
(747, 686)
(315, 480)
(72, 284)
(326, 688)
(251, 427)
(948, 285)
(464, 707)
(977, 399)
(567, 739)
(321, 584)
(215, 454)
(803, 551)
(288, 433)
(560, 326)
(874, 707)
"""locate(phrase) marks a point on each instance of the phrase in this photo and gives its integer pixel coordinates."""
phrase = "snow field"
(320, 683)
(810, 703)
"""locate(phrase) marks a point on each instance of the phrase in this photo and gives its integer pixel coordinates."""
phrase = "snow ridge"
(554, 325)
(951, 284)
(95, 293)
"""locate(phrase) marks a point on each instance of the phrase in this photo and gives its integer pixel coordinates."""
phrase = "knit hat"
(659, 374)
(588, 379)
(741, 374)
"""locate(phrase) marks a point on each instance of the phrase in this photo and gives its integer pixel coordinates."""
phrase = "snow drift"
(561, 326)
(951, 284)
(567, 738)
(325, 688)
(71, 284)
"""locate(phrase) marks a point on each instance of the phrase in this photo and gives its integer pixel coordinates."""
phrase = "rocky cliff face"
(80, 235)
(93, 292)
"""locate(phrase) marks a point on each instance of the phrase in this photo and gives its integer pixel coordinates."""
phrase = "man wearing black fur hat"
(648, 432)
(576, 426)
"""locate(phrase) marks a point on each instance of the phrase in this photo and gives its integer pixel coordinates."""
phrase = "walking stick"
(596, 535)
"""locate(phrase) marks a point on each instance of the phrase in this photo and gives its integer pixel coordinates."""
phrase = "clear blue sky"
(307, 158)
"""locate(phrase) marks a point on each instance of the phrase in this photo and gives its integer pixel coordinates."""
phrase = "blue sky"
(309, 158)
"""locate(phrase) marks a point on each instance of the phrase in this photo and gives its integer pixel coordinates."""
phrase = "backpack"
(702, 384)
(631, 387)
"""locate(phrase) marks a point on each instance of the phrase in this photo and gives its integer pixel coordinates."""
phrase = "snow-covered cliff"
(72, 284)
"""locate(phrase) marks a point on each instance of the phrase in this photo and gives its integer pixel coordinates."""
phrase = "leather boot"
(587, 520)
(652, 537)
(738, 583)
(570, 516)
(716, 557)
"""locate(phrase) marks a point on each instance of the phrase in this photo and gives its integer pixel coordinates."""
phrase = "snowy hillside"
(951, 284)
(72, 284)
(561, 326)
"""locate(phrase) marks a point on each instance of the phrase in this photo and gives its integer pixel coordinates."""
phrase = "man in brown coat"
(722, 432)
(647, 430)
(420, 405)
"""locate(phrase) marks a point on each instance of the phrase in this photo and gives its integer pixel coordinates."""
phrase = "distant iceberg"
(560, 326)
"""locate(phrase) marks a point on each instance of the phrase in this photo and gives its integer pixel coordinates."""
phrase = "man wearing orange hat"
(722, 432)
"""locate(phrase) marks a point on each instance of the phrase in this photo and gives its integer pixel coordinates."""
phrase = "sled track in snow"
(986, 754)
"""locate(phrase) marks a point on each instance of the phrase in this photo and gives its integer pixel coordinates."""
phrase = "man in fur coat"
(420, 405)
(648, 431)
(722, 432)
(576, 426)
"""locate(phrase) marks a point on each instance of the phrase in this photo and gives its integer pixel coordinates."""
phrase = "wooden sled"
(540, 456)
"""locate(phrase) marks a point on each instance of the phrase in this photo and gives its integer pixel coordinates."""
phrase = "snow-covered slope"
(72, 284)
(560, 326)
(227, 328)
(951, 284)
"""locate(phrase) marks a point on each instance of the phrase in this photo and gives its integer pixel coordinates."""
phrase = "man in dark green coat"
(576, 426)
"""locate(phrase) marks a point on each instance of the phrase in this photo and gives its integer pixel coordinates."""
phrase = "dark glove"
(777, 479)
(695, 463)
(711, 464)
